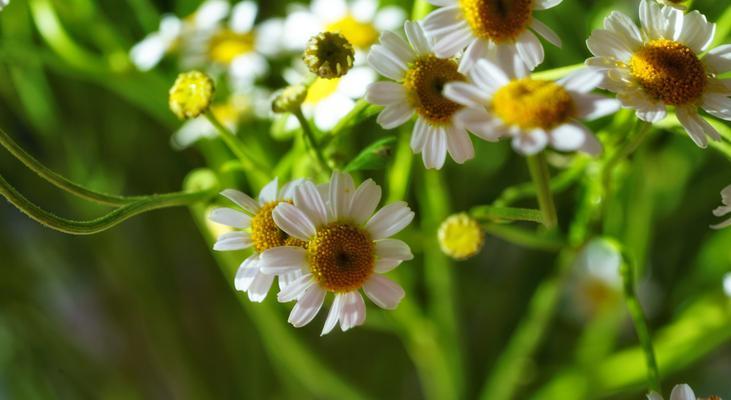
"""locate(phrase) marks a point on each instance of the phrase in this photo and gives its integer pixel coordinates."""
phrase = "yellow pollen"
(497, 20)
(321, 89)
(531, 104)
(461, 237)
(360, 34)
(424, 83)
(226, 45)
(264, 231)
(342, 257)
(669, 71)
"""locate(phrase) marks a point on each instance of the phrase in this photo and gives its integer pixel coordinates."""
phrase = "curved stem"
(312, 141)
(492, 213)
(105, 222)
(525, 238)
(58, 180)
(232, 142)
(541, 177)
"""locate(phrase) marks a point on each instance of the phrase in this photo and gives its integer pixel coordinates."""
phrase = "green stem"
(492, 213)
(559, 183)
(59, 181)
(640, 323)
(232, 142)
(642, 130)
(524, 238)
(105, 222)
(311, 140)
(557, 73)
(542, 179)
(420, 10)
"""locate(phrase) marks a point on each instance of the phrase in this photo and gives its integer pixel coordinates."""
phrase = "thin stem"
(524, 238)
(492, 213)
(542, 179)
(642, 130)
(58, 180)
(312, 141)
(559, 183)
(105, 222)
(640, 323)
(234, 145)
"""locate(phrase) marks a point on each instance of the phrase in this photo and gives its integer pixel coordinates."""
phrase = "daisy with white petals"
(725, 209)
(502, 100)
(660, 65)
(680, 392)
(346, 250)
(254, 228)
(420, 76)
(478, 25)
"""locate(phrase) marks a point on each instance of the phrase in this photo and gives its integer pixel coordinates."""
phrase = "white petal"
(384, 292)
(530, 143)
(259, 287)
(308, 200)
(419, 135)
(442, 18)
(242, 200)
(146, 54)
(385, 63)
(454, 42)
(475, 52)
(233, 241)
(591, 106)
(696, 126)
(492, 72)
(530, 49)
(329, 10)
(722, 225)
(363, 10)
(459, 145)
(391, 253)
(390, 220)
(307, 307)
(230, 217)
(286, 192)
(364, 202)
(340, 194)
(353, 311)
(569, 137)
(546, 4)
(293, 221)
(243, 16)
(385, 93)
(334, 315)
(653, 113)
(697, 33)
(210, 13)
(282, 260)
(719, 59)
(435, 148)
(389, 18)
(583, 80)
(443, 3)
(466, 94)
(717, 105)
(296, 288)
(682, 392)
(546, 32)
(605, 43)
(269, 192)
(481, 123)
(398, 47)
(246, 273)
(623, 26)
(417, 37)
(395, 115)
(654, 396)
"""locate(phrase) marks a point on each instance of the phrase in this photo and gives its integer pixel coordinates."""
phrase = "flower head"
(420, 77)
(329, 55)
(347, 248)
(290, 99)
(661, 64)
(502, 100)
(478, 25)
(191, 94)
(725, 209)
(680, 392)
(461, 237)
(255, 228)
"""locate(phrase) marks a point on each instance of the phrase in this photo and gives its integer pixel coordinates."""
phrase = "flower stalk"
(542, 179)
(311, 141)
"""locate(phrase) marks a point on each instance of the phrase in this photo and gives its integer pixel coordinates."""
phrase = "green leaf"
(373, 157)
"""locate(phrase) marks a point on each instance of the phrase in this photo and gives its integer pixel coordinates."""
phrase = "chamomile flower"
(680, 392)
(660, 65)
(347, 248)
(725, 209)
(477, 25)
(419, 77)
(255, 228)
(596, 280)
(502, 100)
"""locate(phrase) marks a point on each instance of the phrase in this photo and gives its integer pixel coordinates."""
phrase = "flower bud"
(290, 99)
(461, 236)
(191, 94)
(329, 55)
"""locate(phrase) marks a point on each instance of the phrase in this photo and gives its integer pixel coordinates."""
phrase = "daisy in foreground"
(255, 228)
(481, 24)
(680, 392)
(502, 100)
(420, 76)
(661, 65)
(346, 250)
(725, 209)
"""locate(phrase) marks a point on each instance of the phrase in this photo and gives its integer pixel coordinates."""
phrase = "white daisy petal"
(443, 3)
(435, 148)
(475, 52)
(452, 43)
(363, 10)
(385, 63)
(242, 200)
(546, 4)
(395, 115)
(233, 241)
(334, 315)
(352, 312)
(466, 94)
(417, 37)
(364, 201)
(282, 260)
(481, 123)
(389, 18)
(296, 288)
(329, 10)
(269, 192)
(308, 200)
(605, 43)
(530, 49)
(696, 33)
(210, 13)
(246, 273)
(390, 220)
(259, 287)
(487, 69)
(547, 33)
(419, 135)
(230, 217)
(307, 307)
(591, 106)
(340, 194)
(146, 54)
(442, 17)
(623, 26)
(243, 16)
(583, 81)
(569, 137)
(718, 60)
(530, 143)
(293, 221)
(286, 192)
(398, 47)
(654, 396)
(652, 113)
(698, 128)
(384, 292)
(682, 392)
(459, 145)
(386, 93)
(718, 105)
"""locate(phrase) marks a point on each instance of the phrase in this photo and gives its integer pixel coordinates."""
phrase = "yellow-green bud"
(329, 55)
(290, 99)
(461, 236)
(191, 94)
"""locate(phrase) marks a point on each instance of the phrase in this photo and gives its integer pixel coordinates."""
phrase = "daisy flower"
(346, 250)
(502, 100)
(478, 25)
(254, 228)
(596, 280)
(660, 65)
(419, 76)
(725, 209)
(680, 392)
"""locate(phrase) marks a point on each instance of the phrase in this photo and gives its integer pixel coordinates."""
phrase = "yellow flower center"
(424, 83)
(669, 71)
(321, 89)
(191, 94)
(226, 45)
(264, 231)
(497, 20)
(360, 34)
(531, 104)
(461, 237)
(342, 257)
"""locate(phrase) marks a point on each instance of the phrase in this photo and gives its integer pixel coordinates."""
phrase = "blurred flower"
(679, 4)
(596, 279)
(502, 100)
(461, 237)
(680, 392)
(724, 209)
(727, 284)
(329, 55)
(257, 230)
(660, 66)
(290, 99)
(4, 3)
(482, 24)
(230, 114)
(191, 94)
(347, 250)
(420, 76)
(360, 21)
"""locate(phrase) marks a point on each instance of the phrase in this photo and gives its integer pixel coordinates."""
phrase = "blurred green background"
(143, 311)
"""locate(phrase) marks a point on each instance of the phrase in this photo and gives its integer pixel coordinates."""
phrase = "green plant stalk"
(89, 227)
(557, 73)
(542, 179)
(642, 130)
(399, 175)
(498, 214)
(524, 238)
(232, 142)
(559, 183)
(311, 140)
(640, 323)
